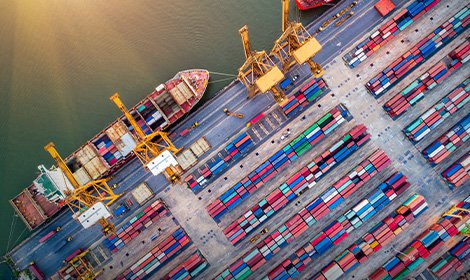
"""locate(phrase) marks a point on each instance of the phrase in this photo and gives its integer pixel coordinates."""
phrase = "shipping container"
(419, 53)
(459, 172)
(389, 30)
(296, 185)
(280, 159)
(419, 88)
(434, 116)
(426, 244)
(189, 269)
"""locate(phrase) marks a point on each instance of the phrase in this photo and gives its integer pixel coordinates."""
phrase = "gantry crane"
(296, 45)
(78, 268)
(458, 212)
(154, 149)
(259, 73)
(85, 197)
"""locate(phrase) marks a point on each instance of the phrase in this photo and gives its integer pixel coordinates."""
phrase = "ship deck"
(346, 86)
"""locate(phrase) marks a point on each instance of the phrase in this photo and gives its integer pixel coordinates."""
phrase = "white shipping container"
(142, 193)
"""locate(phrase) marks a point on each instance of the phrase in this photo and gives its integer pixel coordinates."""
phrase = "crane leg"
(316, 69)
(279, 96)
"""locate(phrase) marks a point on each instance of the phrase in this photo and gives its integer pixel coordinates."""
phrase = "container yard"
(361, 172)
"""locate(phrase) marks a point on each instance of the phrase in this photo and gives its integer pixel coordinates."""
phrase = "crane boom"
(117, 100)
(50, 148)
(245, 41)
(285, 14)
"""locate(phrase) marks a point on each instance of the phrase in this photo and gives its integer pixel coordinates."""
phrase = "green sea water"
(60, 60)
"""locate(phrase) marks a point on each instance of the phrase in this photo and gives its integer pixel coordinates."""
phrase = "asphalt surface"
(214, 125)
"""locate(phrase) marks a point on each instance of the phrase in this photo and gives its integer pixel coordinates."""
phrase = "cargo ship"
(310, 4)
(107, 151)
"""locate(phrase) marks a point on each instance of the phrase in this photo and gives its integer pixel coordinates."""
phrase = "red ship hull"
(310, 4)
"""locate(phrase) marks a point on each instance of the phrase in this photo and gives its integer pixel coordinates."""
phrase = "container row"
(388, 31)
(439, 112)
(416, 91)
(278, 161)
(380, 235)
(452, 261)
(306, 95)
(427, 243)
(158, 256)
(306, 217)
(198, 180)
(419, 53)
(189, 269)
(459, 172)
(337, 231)
(445, 145)
(135, 226)
(297, 184)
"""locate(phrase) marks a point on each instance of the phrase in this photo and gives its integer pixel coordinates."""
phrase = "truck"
(49, 235)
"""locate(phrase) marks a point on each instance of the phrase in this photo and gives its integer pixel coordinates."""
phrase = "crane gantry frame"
(259, 73)
(149, 147)
(83, 197)
(296, 45)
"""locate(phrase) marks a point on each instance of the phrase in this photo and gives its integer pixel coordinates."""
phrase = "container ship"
(107, 151)
(310, 4)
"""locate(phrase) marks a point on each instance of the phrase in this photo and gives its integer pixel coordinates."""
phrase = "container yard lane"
(347, 86)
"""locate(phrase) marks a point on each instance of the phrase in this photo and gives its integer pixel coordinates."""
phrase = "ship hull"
(111, 148)
(310, 4)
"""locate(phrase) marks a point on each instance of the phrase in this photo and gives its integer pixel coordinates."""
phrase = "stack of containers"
(305, 178)
(443, 146)
(452, 261)
(429, 242)
(337, 231)
(281, 159)
(107, 149)
(388, 31)
(304, 219)
(435, 75)
(443, 109)
(135, 226)
(418, 54)
(189, 269)
(307, 94)
(380, 235)
(459, 172)
(239, 146)
(158, 256)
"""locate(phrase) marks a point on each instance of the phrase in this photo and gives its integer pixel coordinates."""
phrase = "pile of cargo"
(459, 172)
(418, 54)
(239, 146)
(306, 217)
(442, 110)
(443, 146)
(135, 226)
(189, 269)
(281, 159)
(307, 94)
(452, 261)
(388, 31)
(305, 178)
(371, 242)
(107, 149)
(158, 256)
(338, 230)
(428, 243)
(435, 75)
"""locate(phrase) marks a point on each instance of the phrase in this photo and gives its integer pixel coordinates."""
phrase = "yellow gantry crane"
(150, 147)
(84, 197)
(79, 268)
(259, 73)
(458, 212)
(296, 45)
